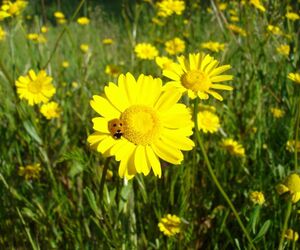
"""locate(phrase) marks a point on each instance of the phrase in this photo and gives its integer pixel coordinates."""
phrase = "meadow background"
(69, 205)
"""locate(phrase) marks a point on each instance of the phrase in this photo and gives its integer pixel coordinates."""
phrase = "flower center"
(196, 80)
(35, 87)
(141, 124)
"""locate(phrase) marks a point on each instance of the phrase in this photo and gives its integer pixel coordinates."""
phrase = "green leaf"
(263, 230)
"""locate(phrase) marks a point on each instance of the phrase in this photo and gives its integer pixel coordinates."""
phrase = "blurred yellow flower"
(234, 18)
(59, 15)
(112, 70)
(198, 76)
(83, 21)
(145, 51)
(236, 29)
(291, 146)
(169, 7)
(283, 49)
(291, 185)
(233, 147)
(50, 110)
(139, 124)
(14, 9)
(107, 41)
(84, 47)
(2, 34)
(30, 171)
(277, 113)
(275, 30)
(175, 46)
(38, 38)
(257, 197)
(222, 6)
(257, 4)
(164, 62)
(158, 21)
(44, 29)
(208, 121)
(292, 16)
(35, 88)
(213, 46)
(290, 234)
(169, 225)
(75, 85)
(65, 64)
(295, 77)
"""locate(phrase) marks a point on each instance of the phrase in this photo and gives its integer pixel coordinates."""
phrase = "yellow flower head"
(50, 110)
(283, 49)
(234, 19)
(208, 121)
(277, 113)
(236, 29)
(169, 225)
(198, 76)
(292, 16)
(164, 62)
(291, 185)
(213, 46)
(257, 4)
(35, 88)
(37, 38)
(275, 30)
(295, 77)
(139, 124)
(2, 34)
(290, 234)
(169, 7)
(44, 29)
(112, 70)
(59, 15)
(257, 197)
(145, 51)
(175, 46)
(84, 47)
(107, 41)
(30, 171)
(291, 146)
(233, 147)
(14, 9)
(83, 21)
(65, 64)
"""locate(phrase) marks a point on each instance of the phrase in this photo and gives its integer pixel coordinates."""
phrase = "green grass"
(68, 208)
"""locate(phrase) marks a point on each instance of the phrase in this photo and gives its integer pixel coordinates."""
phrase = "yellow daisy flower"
(233, 147)
(145, 51)
(164, 62)
(295, 77)
(83, 21)
(169, 7)
(59, 15)
(213, 46)
(198, 76)
(291, 185)
(30, 171)
(277, 113)
(169, 225)
(291, 145)
(283, 49)
(50, 110)
(290, 234)
(175, 46)
(236, 29)
(257, 197)
(44, 29)
(14, 9)
(84, 47)
(208, 121)
(107, 41)
(139, 124)
(35, 88)
(292, 16)
(257, 4)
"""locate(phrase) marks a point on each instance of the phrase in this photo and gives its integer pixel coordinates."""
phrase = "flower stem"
(215, 180)
(104, 171)
(285, 224)
(297, 134)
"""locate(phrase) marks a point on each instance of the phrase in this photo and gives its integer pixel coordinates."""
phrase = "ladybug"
(115, 127)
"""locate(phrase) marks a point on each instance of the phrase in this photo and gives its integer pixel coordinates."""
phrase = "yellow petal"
(140, 160)
(100, 124)
(167, 153)
(219, 70)
(176, 140)
(95, 138)
(154, 161)
(221, 78)
(116, 97)
(167, 99)
(106, 144)
(171, 74)
(221, 86)
(215, 95)
(150, 90)
(104, 108)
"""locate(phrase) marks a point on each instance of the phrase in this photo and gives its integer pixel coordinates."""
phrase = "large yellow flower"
(140, 123)
(198, 76)
(35, 88)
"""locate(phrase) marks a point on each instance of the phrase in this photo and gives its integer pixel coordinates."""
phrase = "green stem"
(104, 171)
(215, 180)
(61, 34)
(285, 224)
